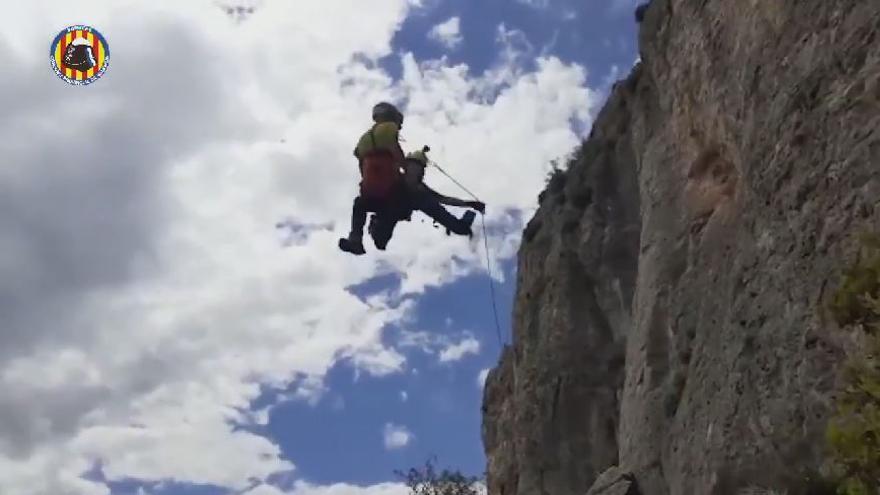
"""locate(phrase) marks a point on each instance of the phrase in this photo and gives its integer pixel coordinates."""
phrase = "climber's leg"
(432, 208)
(361, 206)
(382, 229)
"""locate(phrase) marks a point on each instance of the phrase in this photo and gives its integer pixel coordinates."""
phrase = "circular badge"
(79, 55)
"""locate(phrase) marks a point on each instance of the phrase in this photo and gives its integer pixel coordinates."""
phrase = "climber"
(379, 159)
(418, 196)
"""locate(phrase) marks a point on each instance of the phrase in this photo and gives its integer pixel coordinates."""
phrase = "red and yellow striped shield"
(79, 55)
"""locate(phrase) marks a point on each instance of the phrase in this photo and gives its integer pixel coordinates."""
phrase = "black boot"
(353, 244)
(468, 219)
(381, 229)
(465, 223)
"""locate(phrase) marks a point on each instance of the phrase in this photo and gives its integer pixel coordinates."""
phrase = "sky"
(160, 334)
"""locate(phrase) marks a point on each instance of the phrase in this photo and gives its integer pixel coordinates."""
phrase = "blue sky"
(595, 34)
(190, 350)
(442, 406)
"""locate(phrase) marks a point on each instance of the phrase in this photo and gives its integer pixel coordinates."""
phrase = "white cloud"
(404, 396)
(458, 350)
(261, 416)
(563, 11)
(481, 377)
(304, 488)
(396, 437)
(446, 348)
(447, 33)
(264, 489)
(347, 489)
(424, 341)
(147, 300)
(196, 452)
(422, 8)
(538, 4)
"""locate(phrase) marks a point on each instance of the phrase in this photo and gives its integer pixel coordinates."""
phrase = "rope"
(491, 282)
(514, 365)
(488, 256)
(453, 180)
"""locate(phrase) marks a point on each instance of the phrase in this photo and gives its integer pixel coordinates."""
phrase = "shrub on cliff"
(854, 431)
(852, 303)
(427, 481)
(554, 181)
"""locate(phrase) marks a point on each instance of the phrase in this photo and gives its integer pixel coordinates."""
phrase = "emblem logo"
(79, 55)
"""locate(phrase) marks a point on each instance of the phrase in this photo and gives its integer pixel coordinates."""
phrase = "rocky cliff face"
(667, 315)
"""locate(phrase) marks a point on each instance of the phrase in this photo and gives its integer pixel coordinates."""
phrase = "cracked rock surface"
(667, 320)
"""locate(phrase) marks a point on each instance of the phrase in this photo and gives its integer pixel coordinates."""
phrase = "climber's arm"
(448, 200)
(398, 150)
(360, 160)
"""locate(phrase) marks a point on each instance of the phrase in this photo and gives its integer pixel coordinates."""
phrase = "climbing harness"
(486, 246)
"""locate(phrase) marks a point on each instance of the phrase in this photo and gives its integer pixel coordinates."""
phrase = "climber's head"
(418, 158)
(414, 165)
(386, 112)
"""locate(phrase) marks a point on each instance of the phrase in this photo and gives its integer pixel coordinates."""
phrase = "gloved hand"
(478, 205)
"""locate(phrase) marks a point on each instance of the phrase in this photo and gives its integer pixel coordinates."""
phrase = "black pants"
(363, 205)
(431, 207)
(386, 218)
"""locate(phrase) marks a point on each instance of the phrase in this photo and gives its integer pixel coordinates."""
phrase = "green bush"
(853, 432)
(427, 481)
(850, 305)
(758, 490)
(554, 181)
(555, 177)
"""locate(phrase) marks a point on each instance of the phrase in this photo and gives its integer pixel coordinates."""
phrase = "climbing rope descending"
(491, 282)
(457, 183)
(488, 256)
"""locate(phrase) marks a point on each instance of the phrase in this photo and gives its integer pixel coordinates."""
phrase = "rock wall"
(550, 407)
(667, 313)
